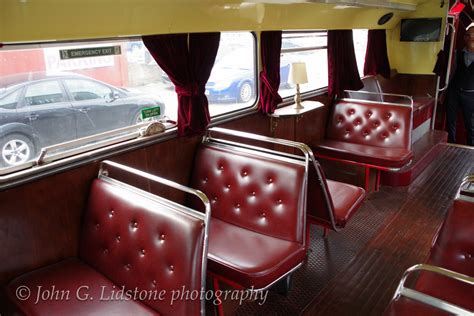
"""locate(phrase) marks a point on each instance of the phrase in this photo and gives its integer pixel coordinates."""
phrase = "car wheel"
(137, 118)
(15, 149)
(245, 92)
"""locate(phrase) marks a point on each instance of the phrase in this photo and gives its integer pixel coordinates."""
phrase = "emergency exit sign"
(89, 52)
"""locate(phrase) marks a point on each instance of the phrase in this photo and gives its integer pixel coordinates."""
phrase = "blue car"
(233, 80)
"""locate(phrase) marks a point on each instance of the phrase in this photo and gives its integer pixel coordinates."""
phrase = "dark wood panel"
(414, 85)
(39, 222)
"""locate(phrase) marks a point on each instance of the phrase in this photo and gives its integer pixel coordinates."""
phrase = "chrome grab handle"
(430, 300)
(409, 98)
(451, 46)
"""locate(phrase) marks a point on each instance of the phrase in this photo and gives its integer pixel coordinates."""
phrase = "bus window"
(360, 46)
(307, 47)
(67, 91)
(232, 83)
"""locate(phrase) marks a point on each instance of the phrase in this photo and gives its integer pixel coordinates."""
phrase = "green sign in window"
(151, 112)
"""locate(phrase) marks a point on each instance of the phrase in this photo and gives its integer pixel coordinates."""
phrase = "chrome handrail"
(410, 98)
(463, 192)
(104, 173)
(430, 300)
(91, 142)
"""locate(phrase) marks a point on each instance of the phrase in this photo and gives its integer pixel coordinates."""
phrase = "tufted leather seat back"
(364, 123)
(454, 245)
(259, 193)
(142, 244)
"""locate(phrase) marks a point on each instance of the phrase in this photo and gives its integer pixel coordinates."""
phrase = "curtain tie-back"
(268, 83)
(191, 90)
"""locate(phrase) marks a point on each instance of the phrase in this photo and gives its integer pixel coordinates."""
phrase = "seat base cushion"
(250, 258)
(378, 156)
(346, 200)
(409, 307)
(71, 287)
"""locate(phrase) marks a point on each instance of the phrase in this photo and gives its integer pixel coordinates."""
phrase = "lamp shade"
(298, 73)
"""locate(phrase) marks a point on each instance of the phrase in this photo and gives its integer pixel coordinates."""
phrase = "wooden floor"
(357, 270)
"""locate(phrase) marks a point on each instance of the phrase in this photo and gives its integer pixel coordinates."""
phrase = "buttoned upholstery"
(371, 133)
(141, 244)
(453, 249)
(422, 106)
(258, 204)
(132, 242)
(252, 192)
(79, 282)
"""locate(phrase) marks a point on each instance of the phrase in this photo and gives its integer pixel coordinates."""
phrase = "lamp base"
(298, 105)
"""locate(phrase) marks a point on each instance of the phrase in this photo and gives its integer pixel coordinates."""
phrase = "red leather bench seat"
(258, 219)
(371, 133)
(80, 280)
(409, 307)
(251, 267)
(378, 156)
(422, 106)
(453, 249)
(129, 241)
(346, 200)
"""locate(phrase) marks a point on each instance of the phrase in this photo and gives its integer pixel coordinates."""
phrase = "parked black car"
(38, 109)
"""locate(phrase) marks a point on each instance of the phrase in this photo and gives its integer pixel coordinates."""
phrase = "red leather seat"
(406, 306)
(371, 133)
(346, 199)
(80, 290)
(130, 242)
(342, 201)
(257, 261)
(453, 249)
(378, 156)
(258, 218)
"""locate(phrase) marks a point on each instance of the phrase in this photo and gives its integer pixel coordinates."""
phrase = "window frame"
(311, 93)
(35, 169)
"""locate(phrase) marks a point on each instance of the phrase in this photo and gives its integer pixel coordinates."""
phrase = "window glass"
(45, 92)
(81, 90)
(9, 101)
(360, 46)
(232, 84)
(101, 86)
(307, 47)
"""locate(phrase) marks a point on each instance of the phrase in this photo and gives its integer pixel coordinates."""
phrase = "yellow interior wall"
(415, 57)
(37, 20)
(42, 20)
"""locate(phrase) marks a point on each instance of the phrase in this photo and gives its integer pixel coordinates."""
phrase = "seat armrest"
(430, 300)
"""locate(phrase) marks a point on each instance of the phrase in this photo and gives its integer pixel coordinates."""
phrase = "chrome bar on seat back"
(430, 300)
(466, 189)
(104, 174)
(308, 158)
(403, 96)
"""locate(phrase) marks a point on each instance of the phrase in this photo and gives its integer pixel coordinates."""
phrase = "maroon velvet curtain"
(342, 64)
(187, 59)
(270, 42)
(376, 58)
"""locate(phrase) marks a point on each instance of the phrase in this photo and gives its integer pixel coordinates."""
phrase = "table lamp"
(298, 76)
